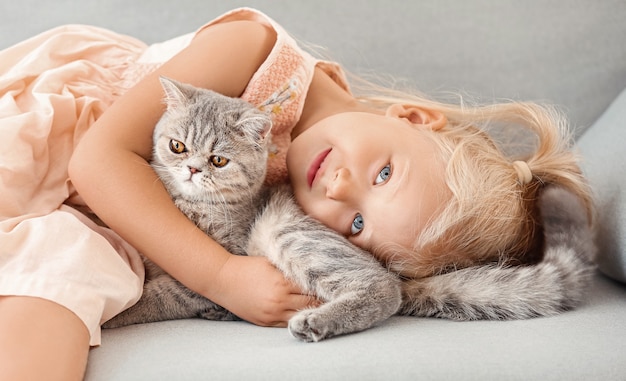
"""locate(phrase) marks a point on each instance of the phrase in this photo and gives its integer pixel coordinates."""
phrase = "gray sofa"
(570, 52)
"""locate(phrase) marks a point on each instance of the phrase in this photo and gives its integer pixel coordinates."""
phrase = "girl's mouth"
(311, 174)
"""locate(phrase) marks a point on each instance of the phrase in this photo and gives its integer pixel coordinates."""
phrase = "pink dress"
(52, 88)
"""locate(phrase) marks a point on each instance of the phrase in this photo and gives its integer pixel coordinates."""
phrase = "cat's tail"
(497, 292)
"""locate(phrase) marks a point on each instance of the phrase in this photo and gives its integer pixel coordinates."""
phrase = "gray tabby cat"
(210, 153)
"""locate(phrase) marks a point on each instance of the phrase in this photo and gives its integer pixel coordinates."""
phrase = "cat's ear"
(266, 126)
(175, 92)
(258, 124)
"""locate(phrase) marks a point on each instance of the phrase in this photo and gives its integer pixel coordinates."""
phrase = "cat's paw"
(309, 326)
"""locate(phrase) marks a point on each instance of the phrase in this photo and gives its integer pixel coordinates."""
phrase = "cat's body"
(226, 199)
(210, 154)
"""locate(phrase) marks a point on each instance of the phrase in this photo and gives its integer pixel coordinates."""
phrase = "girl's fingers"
(299, 302)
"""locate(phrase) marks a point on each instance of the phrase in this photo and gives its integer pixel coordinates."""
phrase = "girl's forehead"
(366, 126)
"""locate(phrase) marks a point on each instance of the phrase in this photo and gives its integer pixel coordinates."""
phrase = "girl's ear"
(418, 116)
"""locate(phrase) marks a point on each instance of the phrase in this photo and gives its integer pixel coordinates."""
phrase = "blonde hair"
(491, 215)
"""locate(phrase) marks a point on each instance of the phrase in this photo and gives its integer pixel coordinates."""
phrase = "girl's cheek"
(307, 207)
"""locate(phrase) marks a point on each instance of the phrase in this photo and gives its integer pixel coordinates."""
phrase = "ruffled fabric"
(52, 88)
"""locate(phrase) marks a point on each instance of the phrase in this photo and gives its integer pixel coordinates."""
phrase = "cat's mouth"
(311, 174)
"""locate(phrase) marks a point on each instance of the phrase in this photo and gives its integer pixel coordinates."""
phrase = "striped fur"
(230, 204)
(556, 284)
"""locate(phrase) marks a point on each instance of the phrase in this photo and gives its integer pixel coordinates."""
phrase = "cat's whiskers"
(157, 167)
(227, 218)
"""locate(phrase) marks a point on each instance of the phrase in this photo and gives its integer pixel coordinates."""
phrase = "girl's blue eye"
(383, 175)
(357, 225)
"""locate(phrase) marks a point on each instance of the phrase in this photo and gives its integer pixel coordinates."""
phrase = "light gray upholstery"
(570, 53)
(585, 344)
(603, 147)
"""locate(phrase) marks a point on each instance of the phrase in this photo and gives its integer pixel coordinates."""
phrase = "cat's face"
(208, 146)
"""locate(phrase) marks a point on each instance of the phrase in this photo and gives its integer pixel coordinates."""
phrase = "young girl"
(414, 181)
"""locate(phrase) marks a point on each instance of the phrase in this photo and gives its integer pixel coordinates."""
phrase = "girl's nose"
(340, 187)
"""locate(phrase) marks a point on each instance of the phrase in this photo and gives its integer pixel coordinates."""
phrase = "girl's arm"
(110, 170)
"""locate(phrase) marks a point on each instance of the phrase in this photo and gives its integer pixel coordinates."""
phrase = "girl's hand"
(256, 291)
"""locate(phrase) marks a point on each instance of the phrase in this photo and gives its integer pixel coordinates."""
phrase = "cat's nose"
(193, 170)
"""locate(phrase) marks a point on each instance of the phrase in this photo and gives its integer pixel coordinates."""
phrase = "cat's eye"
(177, 146)
(357, 224)
(218, 161)
(383, 175)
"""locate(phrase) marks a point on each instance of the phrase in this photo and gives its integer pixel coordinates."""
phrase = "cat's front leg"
(312, 325)
(351, 312)
(357, 290)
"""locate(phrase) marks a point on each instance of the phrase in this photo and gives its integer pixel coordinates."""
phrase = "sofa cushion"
(584, 344)
(603, 147)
